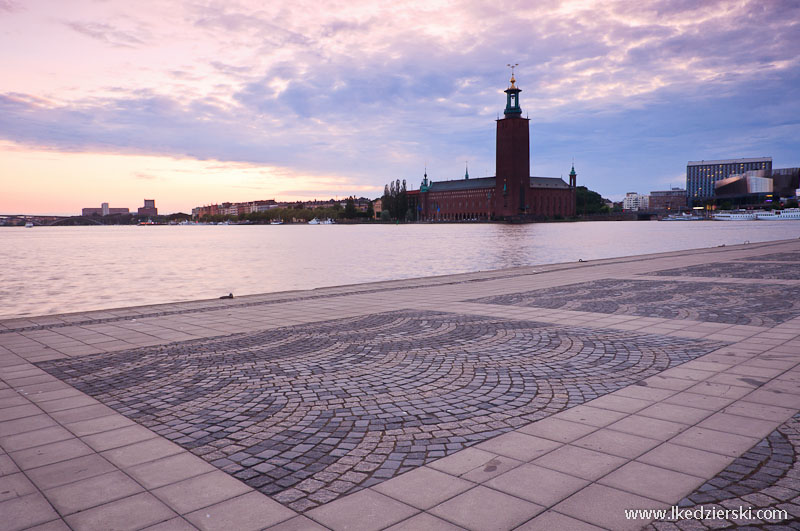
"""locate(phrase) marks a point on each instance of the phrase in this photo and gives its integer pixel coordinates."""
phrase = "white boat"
(682, 217)
(734, 215)
(276, 222)
(29, 224)
(314, 221)
(775, 215)
(328, 221)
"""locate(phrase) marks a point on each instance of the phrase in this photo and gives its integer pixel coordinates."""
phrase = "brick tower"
(513, 165)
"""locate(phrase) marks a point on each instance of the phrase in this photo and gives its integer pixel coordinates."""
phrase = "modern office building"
(701, 176)
(759, 186)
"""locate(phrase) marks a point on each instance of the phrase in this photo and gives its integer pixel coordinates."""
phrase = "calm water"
(48, 270)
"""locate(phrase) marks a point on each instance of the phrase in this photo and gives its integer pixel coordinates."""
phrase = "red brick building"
(513, 194)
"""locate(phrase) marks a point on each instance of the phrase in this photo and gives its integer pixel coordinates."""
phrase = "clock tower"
(512, 163)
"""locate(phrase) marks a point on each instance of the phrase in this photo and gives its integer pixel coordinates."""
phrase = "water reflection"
(62, 269)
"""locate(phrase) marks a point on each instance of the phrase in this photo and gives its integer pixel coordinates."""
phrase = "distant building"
(673, 200)
(759, 186)
(104, 210)
(512, 194)
(149, 208)
(632, 202)
(377, 207)
(701, 176)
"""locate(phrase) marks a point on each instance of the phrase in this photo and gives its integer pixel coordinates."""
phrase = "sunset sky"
(194, 102)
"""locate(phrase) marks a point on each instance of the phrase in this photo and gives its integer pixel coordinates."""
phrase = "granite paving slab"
(310, 412)
(756, 305)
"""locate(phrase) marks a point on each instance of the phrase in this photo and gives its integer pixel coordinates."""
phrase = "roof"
(489, 182)
(548, 182)
(462, 184)
(727, 161)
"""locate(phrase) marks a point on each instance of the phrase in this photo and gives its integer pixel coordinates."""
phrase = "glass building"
(701, 175)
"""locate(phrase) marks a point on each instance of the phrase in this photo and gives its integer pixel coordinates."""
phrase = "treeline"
(394, 203)
(298, 212)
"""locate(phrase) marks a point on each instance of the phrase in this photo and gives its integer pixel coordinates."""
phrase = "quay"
(546, 397)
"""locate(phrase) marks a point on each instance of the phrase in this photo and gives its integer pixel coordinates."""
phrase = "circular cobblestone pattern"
(310, 412)
(759, 305)
(735, 270)
(767, 477)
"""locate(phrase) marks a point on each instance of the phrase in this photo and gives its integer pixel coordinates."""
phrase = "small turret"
(573, 177)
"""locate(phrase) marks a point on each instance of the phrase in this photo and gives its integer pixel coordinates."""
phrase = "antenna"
(512, 67)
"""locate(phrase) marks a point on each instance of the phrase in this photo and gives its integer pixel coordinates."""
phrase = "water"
(48, 270)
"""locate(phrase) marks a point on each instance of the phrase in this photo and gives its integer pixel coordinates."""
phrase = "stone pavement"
(547, 397)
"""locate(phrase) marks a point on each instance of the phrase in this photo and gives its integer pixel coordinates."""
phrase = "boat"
(682, 217)
(29, 224)
(779, 215)
(276, 222)
(328, 221)
(314, 221)
(735, 215)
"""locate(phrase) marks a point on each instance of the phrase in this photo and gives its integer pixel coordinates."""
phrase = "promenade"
(547, 397)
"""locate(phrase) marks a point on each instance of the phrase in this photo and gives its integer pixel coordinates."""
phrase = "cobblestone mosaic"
(765, 477)
(774, 257)
(757, 305)
(307, 413)
(735, 270)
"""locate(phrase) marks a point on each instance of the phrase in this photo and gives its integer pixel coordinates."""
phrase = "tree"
(588, 201)
(350, 208)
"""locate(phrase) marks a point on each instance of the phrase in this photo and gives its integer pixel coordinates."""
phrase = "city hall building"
(512, 194)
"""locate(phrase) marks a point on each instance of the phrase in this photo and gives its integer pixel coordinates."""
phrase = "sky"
(193, 102)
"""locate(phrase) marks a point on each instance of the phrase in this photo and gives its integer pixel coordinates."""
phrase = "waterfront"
(49, 270)
(547, 397)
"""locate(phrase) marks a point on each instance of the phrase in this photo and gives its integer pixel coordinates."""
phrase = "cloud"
(377, 90)
(106, 33)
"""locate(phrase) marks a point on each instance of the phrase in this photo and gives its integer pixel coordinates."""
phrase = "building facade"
(104, 210)
(673, 200)
(149, 208)
(634, 202)
(701, 176)
(512, 194)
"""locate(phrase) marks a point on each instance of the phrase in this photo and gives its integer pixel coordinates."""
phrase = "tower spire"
(513, 110)
(466, 170)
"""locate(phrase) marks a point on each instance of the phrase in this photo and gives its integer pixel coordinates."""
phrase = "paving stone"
(484, 508)
(15, 486)
(743, 304)
(551, 520)
(605, 507)
(170, 469)
(26, 511)
(580, 462)
(651, 481)
(745, 483)
(251, 511)
(363, 511)
(135, 512)
(340, 392)
(83, 494)
(423, 488)
(49, 453)
(200, 491)
(537, 484)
